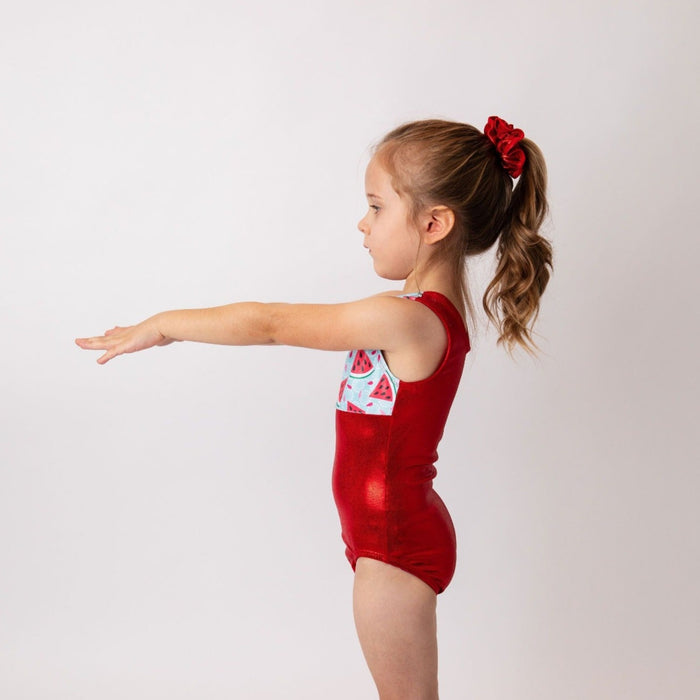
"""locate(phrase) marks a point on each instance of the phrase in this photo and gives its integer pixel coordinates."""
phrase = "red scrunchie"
(506, 139)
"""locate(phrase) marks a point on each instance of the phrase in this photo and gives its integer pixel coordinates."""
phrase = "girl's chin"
(390, 274)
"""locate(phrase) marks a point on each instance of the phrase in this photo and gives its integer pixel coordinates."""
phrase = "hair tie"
(506, 139)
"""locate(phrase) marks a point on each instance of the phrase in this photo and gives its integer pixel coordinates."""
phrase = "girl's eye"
(375, 207)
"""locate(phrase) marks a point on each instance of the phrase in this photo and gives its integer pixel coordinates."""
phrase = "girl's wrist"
(159, 324)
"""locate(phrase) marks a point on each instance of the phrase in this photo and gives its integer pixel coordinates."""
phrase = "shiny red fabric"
(384, 468)
(506, 139)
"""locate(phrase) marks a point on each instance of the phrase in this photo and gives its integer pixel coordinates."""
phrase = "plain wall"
(167, 528)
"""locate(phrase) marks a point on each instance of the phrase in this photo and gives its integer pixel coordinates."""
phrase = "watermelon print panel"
(368, 386)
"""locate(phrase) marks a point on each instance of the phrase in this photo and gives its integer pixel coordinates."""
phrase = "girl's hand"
(120, 340)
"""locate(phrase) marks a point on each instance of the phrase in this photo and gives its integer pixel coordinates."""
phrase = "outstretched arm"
(383, 321)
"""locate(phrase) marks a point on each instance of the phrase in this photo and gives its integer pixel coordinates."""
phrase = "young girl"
(438, 192)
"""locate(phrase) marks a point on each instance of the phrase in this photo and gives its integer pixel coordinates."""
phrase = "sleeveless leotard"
(387, 433)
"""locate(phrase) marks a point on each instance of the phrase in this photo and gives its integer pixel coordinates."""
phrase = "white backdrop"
(167, 528)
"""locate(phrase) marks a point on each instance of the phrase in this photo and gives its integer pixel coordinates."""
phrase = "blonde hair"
(436, 162)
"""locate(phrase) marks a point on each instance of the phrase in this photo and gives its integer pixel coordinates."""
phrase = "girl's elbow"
(272, 324)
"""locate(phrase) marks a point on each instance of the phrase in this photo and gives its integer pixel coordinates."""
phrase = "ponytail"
(523, 257)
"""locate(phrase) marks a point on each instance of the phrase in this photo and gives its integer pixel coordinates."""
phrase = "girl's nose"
(362, 226)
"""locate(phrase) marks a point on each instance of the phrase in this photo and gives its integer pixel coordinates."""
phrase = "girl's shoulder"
(454, 301)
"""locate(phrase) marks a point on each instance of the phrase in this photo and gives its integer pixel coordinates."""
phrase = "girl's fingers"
(112, 351)
(105, 358)
(98, 343)
(95, 343)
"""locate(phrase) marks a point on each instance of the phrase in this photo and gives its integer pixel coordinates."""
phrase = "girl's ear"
(437, 223)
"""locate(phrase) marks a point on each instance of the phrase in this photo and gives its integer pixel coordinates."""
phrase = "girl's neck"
(437, 278)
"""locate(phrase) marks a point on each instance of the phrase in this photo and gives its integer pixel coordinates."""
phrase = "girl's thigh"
(395, 617)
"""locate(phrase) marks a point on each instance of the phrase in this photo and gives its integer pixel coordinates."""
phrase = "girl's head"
(390, 234)
(455, 166)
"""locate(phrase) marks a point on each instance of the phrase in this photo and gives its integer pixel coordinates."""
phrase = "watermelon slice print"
(362, 365)
(342, 388)
(384, 390)
(354, 409)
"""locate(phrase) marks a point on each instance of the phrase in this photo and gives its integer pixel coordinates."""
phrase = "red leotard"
(386, 446)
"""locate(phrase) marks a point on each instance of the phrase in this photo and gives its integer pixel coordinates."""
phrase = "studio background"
(167, 528)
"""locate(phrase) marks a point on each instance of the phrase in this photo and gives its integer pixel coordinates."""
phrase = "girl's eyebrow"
(373, 196)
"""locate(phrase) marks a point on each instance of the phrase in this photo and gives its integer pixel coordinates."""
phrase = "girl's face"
(391, 240)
